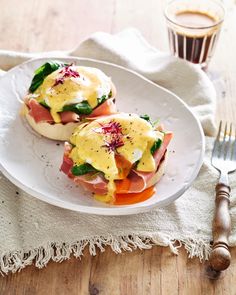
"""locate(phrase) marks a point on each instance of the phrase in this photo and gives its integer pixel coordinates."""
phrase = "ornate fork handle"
(220, 257)
(224, 160)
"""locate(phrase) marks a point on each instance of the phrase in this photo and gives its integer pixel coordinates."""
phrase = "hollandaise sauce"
(71, 85)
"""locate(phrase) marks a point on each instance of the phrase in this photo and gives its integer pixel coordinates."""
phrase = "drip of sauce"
(128, 199)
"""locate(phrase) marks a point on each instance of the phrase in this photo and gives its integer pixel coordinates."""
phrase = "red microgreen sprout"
(113, 144)
(111, 127)
(58, 81)
(113, 132)
(66, 72)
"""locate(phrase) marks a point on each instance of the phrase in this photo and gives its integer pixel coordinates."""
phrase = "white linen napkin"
(31, 229)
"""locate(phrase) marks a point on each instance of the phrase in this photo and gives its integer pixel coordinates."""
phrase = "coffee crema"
(194, 19)
(194, 35)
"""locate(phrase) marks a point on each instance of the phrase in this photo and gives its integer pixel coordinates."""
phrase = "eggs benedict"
(117, 156)
(62, 95)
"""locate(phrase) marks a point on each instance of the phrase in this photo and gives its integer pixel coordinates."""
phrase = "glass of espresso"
(193, 28)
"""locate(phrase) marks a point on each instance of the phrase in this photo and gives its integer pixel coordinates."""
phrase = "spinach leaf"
(102, 99)
(82, 169)
(156, 146)
(41, 73)
(136, 164)
(43, 103)
(110, 94)
(79, 108)
(146, 118)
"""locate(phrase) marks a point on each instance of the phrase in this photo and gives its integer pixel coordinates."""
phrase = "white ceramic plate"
(32, 162)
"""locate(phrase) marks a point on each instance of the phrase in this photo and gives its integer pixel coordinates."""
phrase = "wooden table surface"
(48, 25)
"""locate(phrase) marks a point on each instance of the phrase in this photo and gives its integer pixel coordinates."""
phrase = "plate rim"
(110, 211)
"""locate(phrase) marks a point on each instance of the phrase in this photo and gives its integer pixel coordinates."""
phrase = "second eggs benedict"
(116, 156)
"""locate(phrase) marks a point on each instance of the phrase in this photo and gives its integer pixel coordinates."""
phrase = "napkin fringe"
(16, 260)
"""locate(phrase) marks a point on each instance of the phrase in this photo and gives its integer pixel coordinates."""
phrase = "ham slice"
(38, 112)
(138, 179)
(161, 151)
(41, 114)
(67, 163)
(95, 183)
(136, 182)
(106, 108)
(68, 116)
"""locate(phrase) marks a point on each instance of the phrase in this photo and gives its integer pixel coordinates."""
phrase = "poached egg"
(127, 135)
(71, 85)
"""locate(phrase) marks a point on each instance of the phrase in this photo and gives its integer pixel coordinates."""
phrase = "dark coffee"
(189, 40)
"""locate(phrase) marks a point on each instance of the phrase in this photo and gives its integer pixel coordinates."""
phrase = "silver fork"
(224, 160)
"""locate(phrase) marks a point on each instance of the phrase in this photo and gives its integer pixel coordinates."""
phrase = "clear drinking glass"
(193, 28)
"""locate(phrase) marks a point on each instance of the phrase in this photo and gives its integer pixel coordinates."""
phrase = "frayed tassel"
(58, 252)
(200, 249)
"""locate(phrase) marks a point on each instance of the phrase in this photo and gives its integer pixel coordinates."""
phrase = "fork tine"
(223, 144)
(216, 148)
(234, 146)
(228, 147)
(224, 151)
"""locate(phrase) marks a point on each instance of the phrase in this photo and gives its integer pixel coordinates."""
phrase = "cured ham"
(68, 116)
(38, 112)
(67, 164)
(137, 181)
(90, 182)
(106, 108)
(42, 114)
(161, 151)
